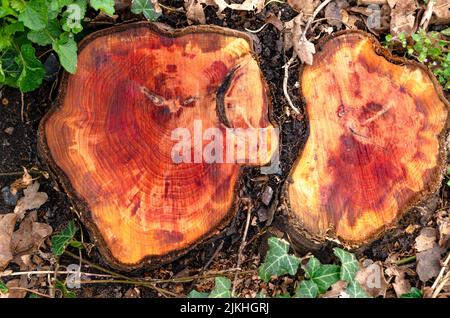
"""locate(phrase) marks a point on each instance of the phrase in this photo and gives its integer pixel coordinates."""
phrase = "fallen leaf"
(443, 222)
(441, 12)
(402, 16)
(333, 12)
(32, 199)
(371, 279)
(426, 239)
(305, 50)
(30, 235)
(21, 183)
(294, 38)
(337, 290)
(194, 11)
(275, 21)
(7, 223)
(15, 286)
(401, 285)
(305, 6)
(247, 5)
(428, 263)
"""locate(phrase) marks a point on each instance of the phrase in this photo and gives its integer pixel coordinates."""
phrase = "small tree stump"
(376, 141)
(144, 196)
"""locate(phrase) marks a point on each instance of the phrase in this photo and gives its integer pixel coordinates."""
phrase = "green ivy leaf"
(33, 71)
(325, 276)
(60, 241)
(284, 295)
(3, 288)
(46, 36)
(66, 48)
(222, 288)
(107, 6)
(307, 289)
(278, 261)
(311, 267)
(146, 8)
(63, 288)
(11, 69)
(349, 264)
(73, 15)
(413, 293)
(18, 5)
(389, 38)
(354, 290)
(34, 16)
(196, 294)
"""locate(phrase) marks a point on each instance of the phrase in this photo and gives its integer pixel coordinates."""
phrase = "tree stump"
(375, 146)
(116, 138)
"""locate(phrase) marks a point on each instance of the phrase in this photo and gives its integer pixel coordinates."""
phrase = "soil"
(18, 150)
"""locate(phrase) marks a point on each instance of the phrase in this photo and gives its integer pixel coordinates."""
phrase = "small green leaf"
(446, 32)
(307, 289)
(354, 290)
(222, 288)
(284, 295)
(46, 36)
(196, 294)
(66, 48)
(278, 262)
(34, 16)
(325, 276)
(107, 6)
(413, 293)
(146, 8)
(73, 15)
(3, 288)
(389, 38)
(76, 244)
(349, 264)
(33, 71)
(311, 267)
(63, 288)
(60, 241)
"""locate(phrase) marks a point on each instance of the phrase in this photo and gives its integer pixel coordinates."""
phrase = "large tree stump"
(376, 141)
(113, 138)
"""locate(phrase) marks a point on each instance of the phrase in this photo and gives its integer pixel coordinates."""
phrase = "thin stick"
(32, 273)
(241, 250)
(30, 291)
(285, 83)
(22, 105)
(437, 285)
(311, 19)
(427, 15)
(257, 30)
(405, 260)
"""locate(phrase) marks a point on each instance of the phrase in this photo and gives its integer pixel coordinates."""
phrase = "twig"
(427, 15)
(31, 273)
(241, 250)
(22, 105)
(285, 83)
(405, 260)
(311, 19)
(272, 1)
(31, 291)
(257, 30)
(440, 282)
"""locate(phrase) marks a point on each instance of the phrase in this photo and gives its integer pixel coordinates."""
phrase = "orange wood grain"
(374, 143)
(111, 135)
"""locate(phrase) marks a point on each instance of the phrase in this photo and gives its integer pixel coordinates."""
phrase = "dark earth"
(18, 149)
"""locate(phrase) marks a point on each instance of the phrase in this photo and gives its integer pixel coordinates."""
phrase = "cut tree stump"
(114, 137)
(375, 146)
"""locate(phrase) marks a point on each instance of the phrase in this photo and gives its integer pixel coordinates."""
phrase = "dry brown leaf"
(426, 239)
(7, 223)
(402, 16)
(294, 38)
(401, 284)
(15, 290)
(275, 21)
(428, 263)
(333, 12)
(337, 290)
(194, 11)
(32, 199)
(21, 183)
(371, 279)
(441, 12)
(30, 235)
(443, 222)
(305, 50)
(305, 6)
(247, 5)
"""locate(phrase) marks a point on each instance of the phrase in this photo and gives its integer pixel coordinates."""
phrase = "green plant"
(413, 293)
(61, 241)
(25, 24)
(448, 177)
(317, 280)
(63, 288)
(430, 48)
(3, 288)
(146, 8)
